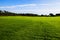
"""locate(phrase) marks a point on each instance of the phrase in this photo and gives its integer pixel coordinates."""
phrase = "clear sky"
(31, 6)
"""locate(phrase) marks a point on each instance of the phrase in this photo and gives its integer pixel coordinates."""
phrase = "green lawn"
(29, 28)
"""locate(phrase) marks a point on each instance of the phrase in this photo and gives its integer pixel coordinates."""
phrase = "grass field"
(29, 28)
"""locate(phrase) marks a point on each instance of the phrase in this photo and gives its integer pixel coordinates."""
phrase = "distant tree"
(0, 11)
(42, 15)
(58, 14)
(6, 13)
(51, 14)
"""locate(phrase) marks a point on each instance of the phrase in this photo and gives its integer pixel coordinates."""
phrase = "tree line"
(7, 13)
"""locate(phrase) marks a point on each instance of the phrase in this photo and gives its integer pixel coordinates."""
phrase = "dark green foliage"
(58, 14)
(6, 13)
(51, 14)
(42, 15)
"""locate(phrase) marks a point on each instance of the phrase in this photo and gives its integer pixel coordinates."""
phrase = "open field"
(29, 28)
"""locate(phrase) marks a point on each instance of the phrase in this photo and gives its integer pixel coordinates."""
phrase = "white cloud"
(7, 6)
(44, 4)
(24, 5)
(15, 6)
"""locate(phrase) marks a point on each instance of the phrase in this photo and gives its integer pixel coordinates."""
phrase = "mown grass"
(29, 28)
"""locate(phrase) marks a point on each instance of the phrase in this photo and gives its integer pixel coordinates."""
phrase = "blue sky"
(31, 6)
